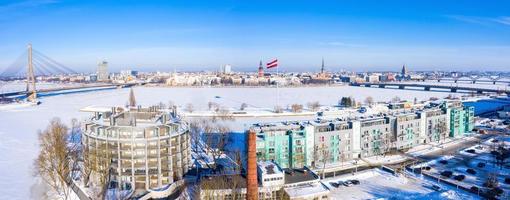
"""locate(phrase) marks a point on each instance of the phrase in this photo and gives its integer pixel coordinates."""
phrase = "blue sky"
(192, 35)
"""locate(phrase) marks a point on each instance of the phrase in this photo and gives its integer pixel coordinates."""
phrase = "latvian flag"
(272, 64)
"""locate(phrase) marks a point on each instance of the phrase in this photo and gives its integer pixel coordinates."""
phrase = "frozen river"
(18, 127)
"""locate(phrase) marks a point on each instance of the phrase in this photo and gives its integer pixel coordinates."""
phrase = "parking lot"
(474, 168)
(378, 184)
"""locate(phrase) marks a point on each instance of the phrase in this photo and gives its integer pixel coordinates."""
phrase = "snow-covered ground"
(18, 127)
(377, 184)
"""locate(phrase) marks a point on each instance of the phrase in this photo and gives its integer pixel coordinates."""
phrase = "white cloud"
(502, 20)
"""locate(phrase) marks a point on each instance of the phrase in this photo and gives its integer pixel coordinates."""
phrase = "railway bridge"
(428, 87)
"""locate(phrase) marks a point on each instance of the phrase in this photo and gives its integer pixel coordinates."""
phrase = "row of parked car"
(346, 183)
(449, 174)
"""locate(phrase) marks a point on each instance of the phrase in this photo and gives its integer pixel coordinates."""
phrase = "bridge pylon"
(31, 90)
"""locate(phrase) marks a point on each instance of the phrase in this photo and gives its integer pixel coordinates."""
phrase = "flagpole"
(277, 89)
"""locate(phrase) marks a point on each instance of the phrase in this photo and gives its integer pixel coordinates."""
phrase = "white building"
(226, 69)
(270, 174)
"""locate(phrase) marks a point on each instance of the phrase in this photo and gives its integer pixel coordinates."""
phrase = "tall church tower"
(261, 69)
(322, 66)
(404, 70)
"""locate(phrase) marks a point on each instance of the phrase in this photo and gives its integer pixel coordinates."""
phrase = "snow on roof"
(93, 108)
(268, 167)
(308, 190)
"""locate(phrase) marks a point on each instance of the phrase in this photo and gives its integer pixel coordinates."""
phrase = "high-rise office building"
(102, 71)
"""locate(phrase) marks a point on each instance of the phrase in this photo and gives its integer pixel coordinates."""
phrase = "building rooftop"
(100, 109)
(269, 167)
(303, 191)
(293, 176)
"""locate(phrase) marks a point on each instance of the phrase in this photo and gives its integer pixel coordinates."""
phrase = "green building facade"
(462, 120)
(286, 145)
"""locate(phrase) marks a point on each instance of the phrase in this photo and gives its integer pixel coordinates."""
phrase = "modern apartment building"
(145, 147)
(288, 144)
(374, 135)
(408, 130)
(461, 118)
(436, 124)
(332, 141)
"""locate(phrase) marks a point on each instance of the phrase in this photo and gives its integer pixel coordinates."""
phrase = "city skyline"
(162, 35)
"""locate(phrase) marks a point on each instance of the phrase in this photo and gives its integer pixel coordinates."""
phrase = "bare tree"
(213, 105)
(492, 180)
(369, 100)
(215, 138)
(278, 109)
(56, 161)
(161, 105)
(213, 187)
(313, 106)
(170, 104)
(223, 113)
(100, 168)
(296, 108)
(189, 108)
(243, 106)
(395, 99)
(86, 168)
(342, 158)
(322, 155)
(443, 130)
(386, 144)
(325, 156)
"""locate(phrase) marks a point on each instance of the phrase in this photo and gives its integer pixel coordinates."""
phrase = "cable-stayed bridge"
(32, 64)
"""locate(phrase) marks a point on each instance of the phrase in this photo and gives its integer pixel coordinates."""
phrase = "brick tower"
(251, 172)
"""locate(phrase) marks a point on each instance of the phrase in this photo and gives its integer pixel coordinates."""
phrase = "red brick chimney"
(252, 185)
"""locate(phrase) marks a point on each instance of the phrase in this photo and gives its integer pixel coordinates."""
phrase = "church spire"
(132, 100)
(261, 69)
(404, 70)
(322, 66)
